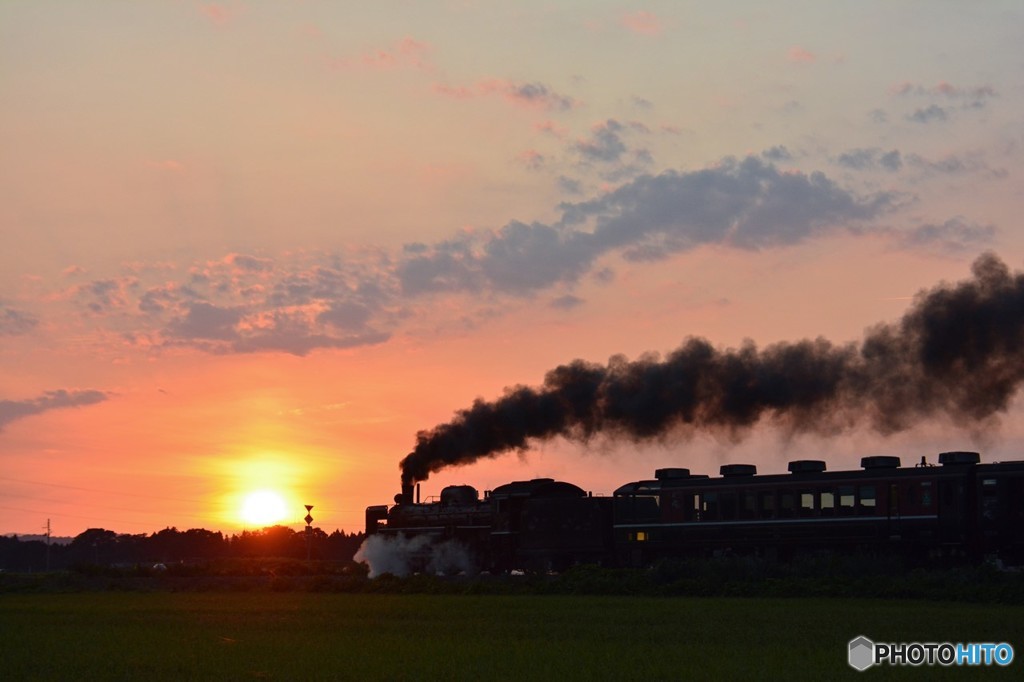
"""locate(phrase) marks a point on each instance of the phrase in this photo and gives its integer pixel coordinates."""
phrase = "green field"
(303, 636)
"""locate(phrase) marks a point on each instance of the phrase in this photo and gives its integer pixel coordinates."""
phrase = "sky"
(261, 245)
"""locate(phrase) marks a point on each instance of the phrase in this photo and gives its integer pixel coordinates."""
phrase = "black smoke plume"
(958, 352)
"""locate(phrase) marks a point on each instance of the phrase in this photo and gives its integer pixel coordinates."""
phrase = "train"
(960, 509)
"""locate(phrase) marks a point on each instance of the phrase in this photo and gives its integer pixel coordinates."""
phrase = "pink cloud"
(644, 23)
(532, 159)
(217, 13)
(532, 95)
(456, 92)
(551, 128)
(801, 56)
(408, 53)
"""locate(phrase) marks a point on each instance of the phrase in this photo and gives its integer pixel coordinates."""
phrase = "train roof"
(538, 487)
(874, 467)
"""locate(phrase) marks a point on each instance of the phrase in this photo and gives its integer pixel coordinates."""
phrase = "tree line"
(101, 547)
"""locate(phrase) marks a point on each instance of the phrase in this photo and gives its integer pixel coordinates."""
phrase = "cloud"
(607, 147)
(956, 164)
(534, 95)
(532, 159)
(14, 322)
(567, 302)
(103, 296)
(407, 53)
(953, 236)
(777, 153)
(221, 14)
(932, 112)
(642, 23)
(746, 204)
(954, 97)
(205, 321)
(11, 410)
(300, 301)
(799, 55)
(294, 333)
(944, 89)
(605, 144)
(866, 159)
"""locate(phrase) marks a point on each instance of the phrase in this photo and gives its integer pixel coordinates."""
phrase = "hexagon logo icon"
(862, 653)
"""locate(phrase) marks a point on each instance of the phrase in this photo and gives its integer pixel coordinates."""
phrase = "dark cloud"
(206, 321)
(293, 333)
(871, 159)
(929, 114)
(539, 94)
(974, 94)
(605, 144)
(777, 153)
(570, 186)
(953, 236)
(251, 263)
(10, 410)
(106, 295)
(346, 315)
(746, 204)
(607, 148)
(14, 322)
(955, 165)
(567, 302)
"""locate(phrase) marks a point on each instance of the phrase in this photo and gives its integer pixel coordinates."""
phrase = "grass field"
(303, 636)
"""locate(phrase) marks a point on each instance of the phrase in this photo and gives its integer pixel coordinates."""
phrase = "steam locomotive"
(960, 509)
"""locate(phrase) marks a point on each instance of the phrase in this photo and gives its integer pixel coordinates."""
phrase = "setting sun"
(263, 507)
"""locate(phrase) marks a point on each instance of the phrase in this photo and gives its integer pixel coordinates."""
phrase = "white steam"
(400, 556)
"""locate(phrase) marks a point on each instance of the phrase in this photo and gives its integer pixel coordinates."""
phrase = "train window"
(767, 505)
(787, 503)
(728, 506)
(867, 499)
(846, 499)
(989, 500)
(695, 500)
(828, 502)
(709, 507)
(749, 508)
(926, 494)
(633, 508)
(806, 504)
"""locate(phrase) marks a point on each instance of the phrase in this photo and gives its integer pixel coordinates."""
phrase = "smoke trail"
(958, 352)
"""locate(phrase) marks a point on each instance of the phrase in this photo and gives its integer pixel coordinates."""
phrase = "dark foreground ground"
(325, 636)
(297, 620)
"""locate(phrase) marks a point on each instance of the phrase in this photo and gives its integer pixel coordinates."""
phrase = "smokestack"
(958, 352)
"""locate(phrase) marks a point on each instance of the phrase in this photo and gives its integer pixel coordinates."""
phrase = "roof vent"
(959, 457)
(806, 466)
(730, 470)
(672, 472)
(880, 462)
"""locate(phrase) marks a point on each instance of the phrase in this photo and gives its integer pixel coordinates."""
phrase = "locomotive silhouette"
(961, 509)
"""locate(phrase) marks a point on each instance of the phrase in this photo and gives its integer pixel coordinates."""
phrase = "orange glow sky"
(260, 245)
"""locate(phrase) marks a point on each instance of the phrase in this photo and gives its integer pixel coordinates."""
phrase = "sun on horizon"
(263, 508)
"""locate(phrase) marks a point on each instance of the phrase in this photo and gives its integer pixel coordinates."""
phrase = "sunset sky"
(260, 245)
